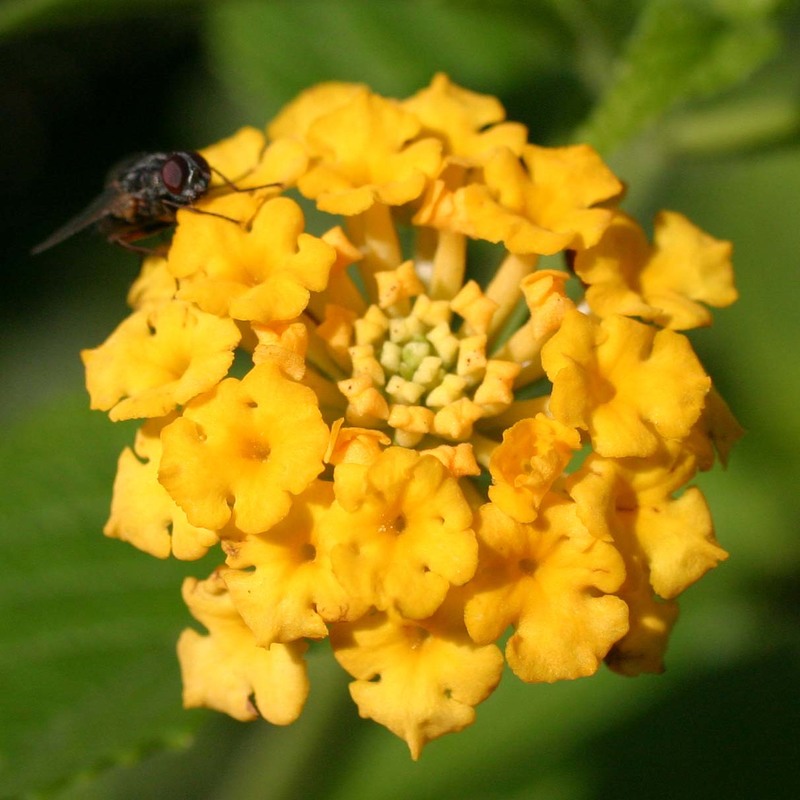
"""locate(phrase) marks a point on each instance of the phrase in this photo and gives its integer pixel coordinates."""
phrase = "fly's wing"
(124, 165)
(101, 207)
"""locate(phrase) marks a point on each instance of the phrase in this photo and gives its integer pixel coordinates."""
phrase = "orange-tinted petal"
(634, 500)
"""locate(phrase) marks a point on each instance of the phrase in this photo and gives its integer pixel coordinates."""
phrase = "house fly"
(142, 194)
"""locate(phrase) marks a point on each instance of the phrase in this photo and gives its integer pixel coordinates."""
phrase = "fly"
(141, 197)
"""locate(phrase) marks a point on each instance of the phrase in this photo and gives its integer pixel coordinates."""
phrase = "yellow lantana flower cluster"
(398, 458)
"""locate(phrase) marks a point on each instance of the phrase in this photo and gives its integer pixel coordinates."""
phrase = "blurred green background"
(695, 104)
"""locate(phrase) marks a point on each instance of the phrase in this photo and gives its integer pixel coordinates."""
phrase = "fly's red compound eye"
(175, 173)
(141, 197)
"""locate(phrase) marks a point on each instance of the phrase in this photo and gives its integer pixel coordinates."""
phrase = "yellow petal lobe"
(227, 671)
(240, 452)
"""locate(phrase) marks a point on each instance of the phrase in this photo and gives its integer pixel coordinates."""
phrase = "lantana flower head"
(435, 458)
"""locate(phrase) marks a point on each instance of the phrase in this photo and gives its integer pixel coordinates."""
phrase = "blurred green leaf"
(19, 15)
(87, 634)
(23, 15)
(267, 52)
(680, 50)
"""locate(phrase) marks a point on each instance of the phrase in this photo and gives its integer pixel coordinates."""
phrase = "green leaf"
(267, 52)
(17, 16)
(680, 50)
(87, 634)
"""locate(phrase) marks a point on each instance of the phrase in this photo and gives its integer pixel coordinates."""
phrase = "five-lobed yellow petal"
(241, 451)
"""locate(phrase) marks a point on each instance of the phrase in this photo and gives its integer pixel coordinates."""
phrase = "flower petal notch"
(343, 181)
(157, 360)
(523, 567)
(248, 258)
(627, 384)
(545, 203)
(667, 282)
(240, 452)
(532, 455)
(421, 679)
(471, 125)
(401, 532)
(282, 582)
(143, 513)
(228, 671)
